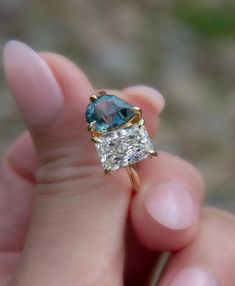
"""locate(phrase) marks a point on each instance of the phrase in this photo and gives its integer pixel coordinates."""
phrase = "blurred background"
(185, 49)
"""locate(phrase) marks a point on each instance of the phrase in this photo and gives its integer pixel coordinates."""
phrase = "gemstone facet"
(124, 146)
(109, 112)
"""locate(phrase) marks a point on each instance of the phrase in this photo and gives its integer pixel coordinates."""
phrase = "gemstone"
(109, 112)
(124, 146)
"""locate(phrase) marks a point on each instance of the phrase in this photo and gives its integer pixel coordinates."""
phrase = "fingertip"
(11, 47)
(156, 231)
(150, 101)
(171, 205)
(33, 85)
(147, 94)
(69, 75)
(75, 85)
(166, 212)
(196, 275)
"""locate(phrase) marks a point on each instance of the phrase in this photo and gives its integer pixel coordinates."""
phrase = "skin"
(64, 223)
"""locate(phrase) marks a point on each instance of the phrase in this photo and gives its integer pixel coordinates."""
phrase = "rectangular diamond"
(124, 146)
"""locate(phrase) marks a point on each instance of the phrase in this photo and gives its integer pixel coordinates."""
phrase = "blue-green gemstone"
(109, 112)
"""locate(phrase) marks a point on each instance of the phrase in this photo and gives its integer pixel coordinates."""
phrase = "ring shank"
(134, 177)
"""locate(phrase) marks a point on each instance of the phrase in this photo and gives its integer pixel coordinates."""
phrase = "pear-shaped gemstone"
(109, 112)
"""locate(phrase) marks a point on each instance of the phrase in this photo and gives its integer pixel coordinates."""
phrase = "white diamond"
(124, 146)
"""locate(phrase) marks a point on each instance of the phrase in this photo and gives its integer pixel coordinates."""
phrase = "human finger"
(71, 218)
(209, 259)
(165, 213)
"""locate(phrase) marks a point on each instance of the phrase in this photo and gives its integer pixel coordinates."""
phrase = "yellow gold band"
(134, 177)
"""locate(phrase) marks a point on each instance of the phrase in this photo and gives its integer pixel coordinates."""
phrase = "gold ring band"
(134, 177)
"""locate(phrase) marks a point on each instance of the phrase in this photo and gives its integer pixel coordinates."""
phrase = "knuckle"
(68, 168)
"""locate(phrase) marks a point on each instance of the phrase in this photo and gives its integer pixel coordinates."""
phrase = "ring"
(119, 133)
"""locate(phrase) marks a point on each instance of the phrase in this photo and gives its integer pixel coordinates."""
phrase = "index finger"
(166, 211)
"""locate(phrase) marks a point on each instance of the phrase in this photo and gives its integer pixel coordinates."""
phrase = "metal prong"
(91, 126)
(93, 97)
(96, 139)
(152, 153)
(137, 110)
(141, 122)
(102, 92)
(136, 118)
(107, 171)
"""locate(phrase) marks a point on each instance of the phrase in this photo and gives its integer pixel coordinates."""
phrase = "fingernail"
(194, 276)
(32, 83)
(171, 205)
(158, 100)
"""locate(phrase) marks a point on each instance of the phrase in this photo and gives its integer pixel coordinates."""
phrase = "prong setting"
(141, 122)
(137, 117)
(96, 139)
(93, 97)
(107, 171)
(152, 154)
(91, 126)
(137, 110)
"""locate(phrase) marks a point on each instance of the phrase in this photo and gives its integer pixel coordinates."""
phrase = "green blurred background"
(185, 49)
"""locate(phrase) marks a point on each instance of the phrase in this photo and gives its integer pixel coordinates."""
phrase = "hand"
(79, 217)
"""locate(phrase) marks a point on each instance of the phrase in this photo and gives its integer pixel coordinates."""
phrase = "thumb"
(76, 235)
